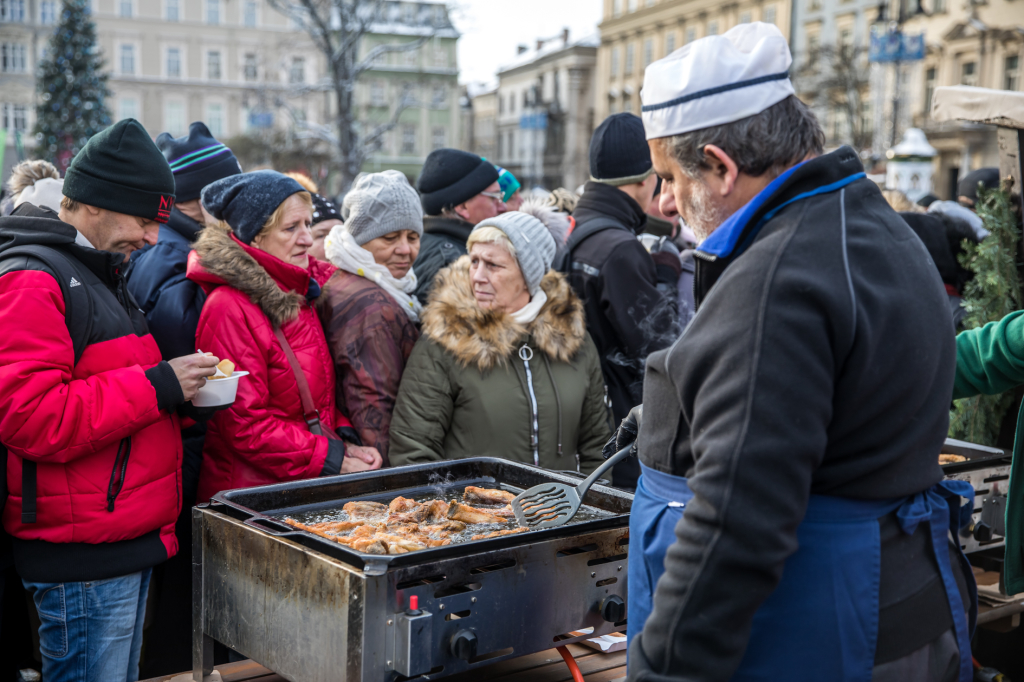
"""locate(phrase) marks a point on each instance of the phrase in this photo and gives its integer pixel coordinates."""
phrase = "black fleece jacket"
(443, 241)
(820, 361)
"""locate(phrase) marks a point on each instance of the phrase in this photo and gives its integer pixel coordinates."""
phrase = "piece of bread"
(226, 366)
(951, 459)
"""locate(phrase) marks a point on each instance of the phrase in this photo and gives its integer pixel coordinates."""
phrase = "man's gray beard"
(704, 216)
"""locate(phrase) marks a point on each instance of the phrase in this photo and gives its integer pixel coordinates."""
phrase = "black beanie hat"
(121, 170)
(619, 154)
(247, 200)
(196, 160)
(324, 209)
(451, 177)
(968, 187)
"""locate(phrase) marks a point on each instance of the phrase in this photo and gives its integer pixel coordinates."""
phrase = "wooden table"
(546, 666)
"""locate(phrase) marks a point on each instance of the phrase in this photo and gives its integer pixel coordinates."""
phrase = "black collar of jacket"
(455, 228)
(34, 225)
(183, 225)
(818, 172)
(601, 200)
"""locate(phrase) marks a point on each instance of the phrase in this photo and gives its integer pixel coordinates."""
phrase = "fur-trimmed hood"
(278, 288)
(486, 338)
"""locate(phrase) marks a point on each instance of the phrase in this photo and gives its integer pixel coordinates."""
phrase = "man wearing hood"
(791, 520)
(88, 408)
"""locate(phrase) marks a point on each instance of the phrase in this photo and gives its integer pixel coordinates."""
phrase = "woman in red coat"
(259, 277)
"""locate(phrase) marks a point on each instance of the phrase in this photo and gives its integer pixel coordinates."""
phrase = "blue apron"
(824, 612)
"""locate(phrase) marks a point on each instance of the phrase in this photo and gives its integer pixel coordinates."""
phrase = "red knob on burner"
(414, 603)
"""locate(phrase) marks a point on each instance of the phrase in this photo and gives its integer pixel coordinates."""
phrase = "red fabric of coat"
(262, 438)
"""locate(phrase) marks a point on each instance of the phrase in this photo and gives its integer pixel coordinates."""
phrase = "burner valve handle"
(463, 644)
(613, 609)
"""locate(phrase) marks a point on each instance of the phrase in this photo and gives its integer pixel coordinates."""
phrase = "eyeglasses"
(497, 196)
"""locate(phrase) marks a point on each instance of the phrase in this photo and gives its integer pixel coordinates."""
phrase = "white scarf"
(342, 251)
(528, 313)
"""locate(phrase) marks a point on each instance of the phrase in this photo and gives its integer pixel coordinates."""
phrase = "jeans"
(91, 631)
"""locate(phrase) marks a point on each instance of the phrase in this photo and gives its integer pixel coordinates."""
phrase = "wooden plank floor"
(546, 666)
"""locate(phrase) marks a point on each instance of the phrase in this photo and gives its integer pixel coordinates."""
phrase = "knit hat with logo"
(121, 170)
(196, 160)
(535, 247)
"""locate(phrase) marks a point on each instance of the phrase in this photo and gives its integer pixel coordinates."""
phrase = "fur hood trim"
(228, 260)
(487, 338)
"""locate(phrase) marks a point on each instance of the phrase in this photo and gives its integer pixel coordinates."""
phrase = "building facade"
(635, 33)
(242, 67)
(545, 113)
(479, 132)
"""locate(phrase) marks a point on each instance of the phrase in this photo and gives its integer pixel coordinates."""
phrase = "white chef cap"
(716, 80)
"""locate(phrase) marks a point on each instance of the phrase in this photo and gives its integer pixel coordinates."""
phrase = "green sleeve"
(423, 411)
(990, 359)
(594, 425)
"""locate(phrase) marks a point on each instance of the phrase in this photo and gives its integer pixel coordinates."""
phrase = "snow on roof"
(477, 88)
(550, 46)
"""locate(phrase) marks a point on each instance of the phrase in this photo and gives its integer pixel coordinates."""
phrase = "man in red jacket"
(87, 408)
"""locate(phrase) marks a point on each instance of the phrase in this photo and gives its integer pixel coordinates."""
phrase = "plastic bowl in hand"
(218, 392)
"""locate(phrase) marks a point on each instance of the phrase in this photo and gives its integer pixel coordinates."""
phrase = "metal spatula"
(554, 504)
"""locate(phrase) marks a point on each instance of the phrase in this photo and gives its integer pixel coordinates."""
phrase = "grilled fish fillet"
(467, 514)
(498, 533)
(402, 505)
(486, 496)
(367, 511)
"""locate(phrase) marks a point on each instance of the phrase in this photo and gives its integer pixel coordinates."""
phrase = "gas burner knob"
(982, 531)
(613, 609)
(463, 644)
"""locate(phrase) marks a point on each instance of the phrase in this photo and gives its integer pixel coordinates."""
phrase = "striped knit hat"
(196, 160)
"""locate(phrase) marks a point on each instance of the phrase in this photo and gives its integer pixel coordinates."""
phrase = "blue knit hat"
(246, 201)
(196, 160)
(508, 183)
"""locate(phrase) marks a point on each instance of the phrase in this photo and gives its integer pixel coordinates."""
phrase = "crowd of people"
(467, 316)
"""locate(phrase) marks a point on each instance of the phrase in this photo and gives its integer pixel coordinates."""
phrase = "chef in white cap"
(791, 522)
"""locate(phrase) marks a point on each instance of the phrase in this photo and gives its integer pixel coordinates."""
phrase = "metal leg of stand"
(202, 644)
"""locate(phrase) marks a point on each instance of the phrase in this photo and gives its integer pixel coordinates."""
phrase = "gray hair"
(768, 142)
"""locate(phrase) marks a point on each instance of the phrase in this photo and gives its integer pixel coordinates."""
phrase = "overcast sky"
(491, 29)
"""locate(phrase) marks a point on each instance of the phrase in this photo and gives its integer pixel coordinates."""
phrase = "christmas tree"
(72, 87)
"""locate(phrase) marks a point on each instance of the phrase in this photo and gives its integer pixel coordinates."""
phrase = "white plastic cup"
(219, 392)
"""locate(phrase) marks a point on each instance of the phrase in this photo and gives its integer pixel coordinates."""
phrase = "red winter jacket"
(263, 438)
(87, 426)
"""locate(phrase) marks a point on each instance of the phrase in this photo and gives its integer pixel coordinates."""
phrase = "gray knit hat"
(381, 203)
(535, 247)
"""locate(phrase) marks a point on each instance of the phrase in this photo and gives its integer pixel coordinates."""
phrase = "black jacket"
(444, 240)
(627, 316)
(821, 360)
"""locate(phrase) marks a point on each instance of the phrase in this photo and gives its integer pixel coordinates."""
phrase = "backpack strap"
(77, 316)
(579, 234)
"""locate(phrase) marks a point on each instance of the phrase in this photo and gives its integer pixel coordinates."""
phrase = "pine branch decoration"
(993, 293)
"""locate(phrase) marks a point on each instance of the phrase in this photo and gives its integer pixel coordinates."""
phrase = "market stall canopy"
(1003, 108)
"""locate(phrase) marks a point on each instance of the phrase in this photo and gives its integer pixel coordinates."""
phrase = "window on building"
(438, 138)
(213, 65)
(813, 49)
(297, 71)
(938, 6)
(616, 7)
(649, 3)
(512, 104)
(744, 17)
(691, 35)
(12, 58)
(501, 110)
(408, 95)
(846, 39)
(648, 51)
(172, 10)
(12, 11)
(930, 78)
(378, 98)
(408, 140)
(409, 13)
(213, 11)
(439, 97)
(440, 53)
(174, 117)
(969, 73)
(411, 57)
(15, 118)
(614, 67)
(613, 106)
(48, 12)
(173, 62)
(438, 16)
(127, 107)
(215, 118)
(713, 28)
(249, 13)
(769, 14)
(250, 69)
(867, 119)
(670, 42)
(627, 103)
(631, 4)
(124, 8)
(1011, 73)
(128, 59)
(630, 58)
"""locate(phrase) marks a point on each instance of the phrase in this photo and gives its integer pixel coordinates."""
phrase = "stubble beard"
(704, 215)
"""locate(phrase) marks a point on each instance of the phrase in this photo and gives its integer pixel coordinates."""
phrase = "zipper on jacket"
(526, 354)
(558, 405)
(118, 472)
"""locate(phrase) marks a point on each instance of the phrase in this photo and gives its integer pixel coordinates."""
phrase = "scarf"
(528, 313)
(343, 252)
